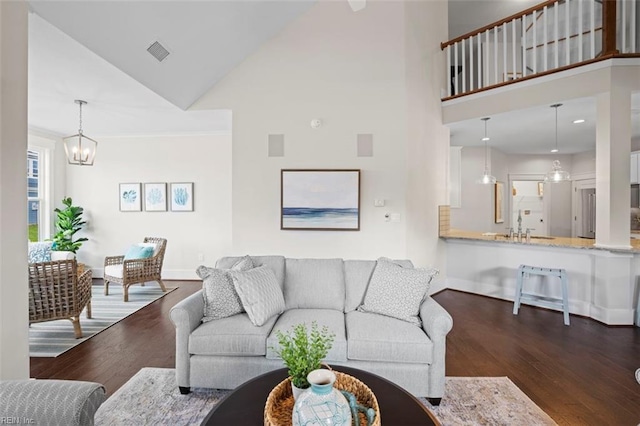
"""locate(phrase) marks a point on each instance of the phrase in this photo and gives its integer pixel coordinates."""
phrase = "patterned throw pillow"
(259, 292)
(40, 252)
(220, 298)
(396, 291)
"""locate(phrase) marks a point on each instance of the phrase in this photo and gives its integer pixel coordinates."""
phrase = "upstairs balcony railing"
(550, 37)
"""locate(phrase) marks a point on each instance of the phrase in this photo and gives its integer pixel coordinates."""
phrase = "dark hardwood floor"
(580, 375)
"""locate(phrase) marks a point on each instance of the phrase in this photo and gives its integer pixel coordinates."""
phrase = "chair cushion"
(138, 252)
(397, 291)
(113, 271)
(314, 284)
(374, 337)
(259, 293)
(154, 246)
(333, 319)
(357, 274)
(40, 251)
(220, 297)
(231, 336)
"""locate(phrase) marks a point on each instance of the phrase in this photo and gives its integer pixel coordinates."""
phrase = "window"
(33, 194)
(40, 153)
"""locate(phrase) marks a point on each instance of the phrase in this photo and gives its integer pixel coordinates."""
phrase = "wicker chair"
(135, 271)
(57, 292)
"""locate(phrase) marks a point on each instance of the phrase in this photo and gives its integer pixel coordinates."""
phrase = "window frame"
(45, 148)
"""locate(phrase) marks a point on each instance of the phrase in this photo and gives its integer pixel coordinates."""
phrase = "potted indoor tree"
(69, 221)
(303, 351)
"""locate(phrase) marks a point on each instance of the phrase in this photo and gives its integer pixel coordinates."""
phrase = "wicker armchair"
(135, 271)
(57, 292)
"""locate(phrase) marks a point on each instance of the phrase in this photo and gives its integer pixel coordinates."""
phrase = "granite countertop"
(566, 242)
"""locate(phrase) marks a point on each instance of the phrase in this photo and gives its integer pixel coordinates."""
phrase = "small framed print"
(155, 197)
(130, 199)
(181, 194)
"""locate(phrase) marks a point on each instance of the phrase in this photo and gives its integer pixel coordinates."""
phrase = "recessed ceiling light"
(554, 150)
(485, 139)
(578, 121)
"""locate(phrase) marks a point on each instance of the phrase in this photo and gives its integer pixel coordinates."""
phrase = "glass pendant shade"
(80, 149)
(486, 178)
(557, 174)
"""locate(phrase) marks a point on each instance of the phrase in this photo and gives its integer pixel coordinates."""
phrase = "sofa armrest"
(437, 323)
(186, 317)
(61, 402)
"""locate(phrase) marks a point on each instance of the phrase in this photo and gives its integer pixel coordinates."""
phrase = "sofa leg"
(184, 390)
(434, 401)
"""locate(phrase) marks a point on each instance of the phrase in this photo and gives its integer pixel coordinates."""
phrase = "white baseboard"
(577, 307)
(167, 274)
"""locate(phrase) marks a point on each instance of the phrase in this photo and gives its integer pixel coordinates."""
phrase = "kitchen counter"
(564, 242)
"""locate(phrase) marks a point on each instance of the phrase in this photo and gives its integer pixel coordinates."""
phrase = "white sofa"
(226, 352)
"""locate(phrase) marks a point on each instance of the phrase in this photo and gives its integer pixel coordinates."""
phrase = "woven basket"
(279, 407)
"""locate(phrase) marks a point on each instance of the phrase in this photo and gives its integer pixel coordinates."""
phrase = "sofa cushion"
(397, 291)
(374, 337)
(357, 274)
(259, 292)
(314, 284)
(220, 297)
(232, 336)
(276, 263)
(333, 319)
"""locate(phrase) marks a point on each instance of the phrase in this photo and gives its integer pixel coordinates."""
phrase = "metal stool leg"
(565, 297)
(516, 300)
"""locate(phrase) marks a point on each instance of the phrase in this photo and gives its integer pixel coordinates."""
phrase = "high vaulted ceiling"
(97, 51)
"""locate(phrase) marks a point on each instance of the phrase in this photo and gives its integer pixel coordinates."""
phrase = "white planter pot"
(296, 391)
(62, 255)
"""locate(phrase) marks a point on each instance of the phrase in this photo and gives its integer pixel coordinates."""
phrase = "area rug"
(52, 338)
(151, 397)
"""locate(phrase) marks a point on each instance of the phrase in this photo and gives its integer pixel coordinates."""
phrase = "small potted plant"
(303, 351)
(69, 222)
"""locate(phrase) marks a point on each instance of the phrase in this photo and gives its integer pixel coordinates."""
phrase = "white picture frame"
(130, 197)
(181, 196)
(155, 197)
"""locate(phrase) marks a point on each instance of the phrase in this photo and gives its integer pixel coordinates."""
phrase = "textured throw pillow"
(138, 252)
(259, 292)
(396, 291)
(220, 298)
(40, 252)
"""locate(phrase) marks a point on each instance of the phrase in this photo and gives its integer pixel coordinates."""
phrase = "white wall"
(469, 15)
(348, 69)
(583, 165)
(14, 315)
(204, 160)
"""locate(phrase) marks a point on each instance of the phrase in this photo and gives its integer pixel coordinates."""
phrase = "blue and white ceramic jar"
(321, 404)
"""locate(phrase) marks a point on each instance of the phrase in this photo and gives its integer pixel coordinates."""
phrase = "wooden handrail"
(500, 22)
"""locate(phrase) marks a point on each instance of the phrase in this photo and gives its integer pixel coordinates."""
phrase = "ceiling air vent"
(158, 51)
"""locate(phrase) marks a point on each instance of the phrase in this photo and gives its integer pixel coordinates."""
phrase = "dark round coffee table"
(245, 405)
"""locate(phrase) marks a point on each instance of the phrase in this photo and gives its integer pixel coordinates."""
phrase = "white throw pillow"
(259, 292)
(396, 291)
(220, 297)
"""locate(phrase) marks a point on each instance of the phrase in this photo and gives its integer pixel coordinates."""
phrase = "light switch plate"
(378, 203)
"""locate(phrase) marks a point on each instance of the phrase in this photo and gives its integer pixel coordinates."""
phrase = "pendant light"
(556, 174)
(80, 149)
(486, 177)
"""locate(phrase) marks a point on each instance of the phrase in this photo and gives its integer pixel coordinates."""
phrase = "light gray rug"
(151, 397)
(52, 338)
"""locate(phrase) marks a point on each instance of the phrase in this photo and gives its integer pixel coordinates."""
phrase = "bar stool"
(524, 271)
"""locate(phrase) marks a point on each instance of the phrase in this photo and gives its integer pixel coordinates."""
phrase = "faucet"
(519, 225)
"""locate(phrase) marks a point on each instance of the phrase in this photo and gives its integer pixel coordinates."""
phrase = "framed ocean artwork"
(130, 197)
(155, 197)
(181, 196)
(320, 200)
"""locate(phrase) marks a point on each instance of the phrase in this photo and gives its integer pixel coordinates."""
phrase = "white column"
(613, 147)
(14, 318)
